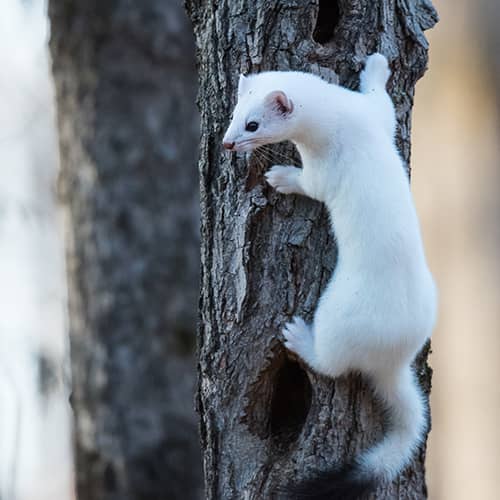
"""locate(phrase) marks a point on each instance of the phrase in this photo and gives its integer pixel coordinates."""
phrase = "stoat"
(380, 305)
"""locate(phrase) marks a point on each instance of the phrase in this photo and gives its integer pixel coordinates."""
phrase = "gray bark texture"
(126, 87)
(265, 418)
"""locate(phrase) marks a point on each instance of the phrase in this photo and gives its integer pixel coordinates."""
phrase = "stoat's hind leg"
(327, 358)
(375, 75)
(299, 339)
(373, 81)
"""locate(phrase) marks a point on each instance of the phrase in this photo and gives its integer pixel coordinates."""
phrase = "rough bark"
(266, 419)
(126, 89)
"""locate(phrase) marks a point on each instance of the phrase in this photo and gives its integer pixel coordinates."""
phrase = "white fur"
(380, 304)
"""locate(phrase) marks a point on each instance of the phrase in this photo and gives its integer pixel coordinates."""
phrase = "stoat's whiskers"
(274, 156)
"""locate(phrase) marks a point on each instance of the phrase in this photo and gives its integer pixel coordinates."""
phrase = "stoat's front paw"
(299, 338)
(285, 180)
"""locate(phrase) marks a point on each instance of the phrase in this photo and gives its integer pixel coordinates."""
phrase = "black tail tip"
(344, 483)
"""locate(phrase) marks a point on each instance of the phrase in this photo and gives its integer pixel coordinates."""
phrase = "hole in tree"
(278, 401)
(290, 404)
(328, 18)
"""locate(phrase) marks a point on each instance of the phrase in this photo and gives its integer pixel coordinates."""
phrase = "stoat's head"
(261, 116)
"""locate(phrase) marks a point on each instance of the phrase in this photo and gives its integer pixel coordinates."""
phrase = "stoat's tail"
(375, 75)
(406, 426)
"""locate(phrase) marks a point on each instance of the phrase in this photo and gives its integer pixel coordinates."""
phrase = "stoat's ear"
(280, 102)
(242, 84)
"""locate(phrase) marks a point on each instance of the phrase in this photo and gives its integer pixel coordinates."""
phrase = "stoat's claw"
(298, 337)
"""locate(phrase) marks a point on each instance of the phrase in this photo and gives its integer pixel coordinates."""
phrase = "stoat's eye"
(252, 126)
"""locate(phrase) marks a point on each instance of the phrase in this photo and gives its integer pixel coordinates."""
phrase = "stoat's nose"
(228, 145)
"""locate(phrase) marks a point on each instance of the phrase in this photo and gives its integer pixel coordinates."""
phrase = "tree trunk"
(126, 89)
(266, 419)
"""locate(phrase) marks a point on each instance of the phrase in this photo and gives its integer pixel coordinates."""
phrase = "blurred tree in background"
(126, 84)
(266, 419)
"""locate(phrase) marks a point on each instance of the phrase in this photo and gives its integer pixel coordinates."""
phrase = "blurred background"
(34, 425)
(456, 183)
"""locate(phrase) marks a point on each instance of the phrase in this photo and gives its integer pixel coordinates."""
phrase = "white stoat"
(380, 305)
